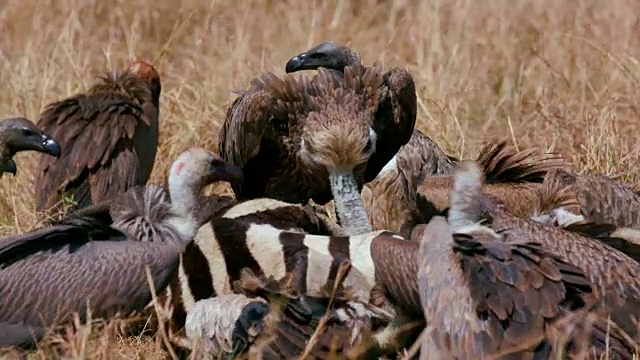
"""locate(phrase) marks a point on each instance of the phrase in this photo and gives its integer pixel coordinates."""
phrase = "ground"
(562, 76)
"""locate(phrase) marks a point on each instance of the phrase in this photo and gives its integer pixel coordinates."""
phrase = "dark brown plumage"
(486, 292)
(613, 274)
(603, 200)
(20, 134)
(291, 134)
(396, 112)
(396, 181)
(109, 139)
(49, 273)
(400, 102)
(386, 197)
(513, 178)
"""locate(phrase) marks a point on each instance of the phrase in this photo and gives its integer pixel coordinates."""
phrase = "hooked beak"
(234, 173)
(298, 63)
(50, 146)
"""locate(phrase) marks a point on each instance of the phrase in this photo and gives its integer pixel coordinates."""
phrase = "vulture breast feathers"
(109, 139)
(289, 133)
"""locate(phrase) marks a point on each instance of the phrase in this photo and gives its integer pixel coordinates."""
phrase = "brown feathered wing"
(108, 141)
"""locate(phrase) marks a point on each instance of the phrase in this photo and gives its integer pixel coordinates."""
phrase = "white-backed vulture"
(20, 134)
(109, 140)
(487, 292)
(82, 264)
(514, 178)
(614, 275)
(319, 138)
(386, 197)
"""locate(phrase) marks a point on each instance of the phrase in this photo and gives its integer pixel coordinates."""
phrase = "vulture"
(386, 197)
(268, 320)
(613, 274)
(497, 293)
(514, 178)
(109, 139)
(321, 138)
(418, 158)
(601, 199)
(81, 264)
(20, 134)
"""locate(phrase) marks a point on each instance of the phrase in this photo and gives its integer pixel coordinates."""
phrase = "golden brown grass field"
(560, 75)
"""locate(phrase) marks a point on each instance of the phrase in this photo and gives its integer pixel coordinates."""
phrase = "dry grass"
(555, 74)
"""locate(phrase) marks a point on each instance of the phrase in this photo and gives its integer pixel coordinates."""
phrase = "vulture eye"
(26, 132)
(367, 147)
(282, 126)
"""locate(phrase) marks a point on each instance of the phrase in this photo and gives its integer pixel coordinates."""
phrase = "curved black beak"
(50, 146)
(9, 167)
(297, 63)
(233, 173)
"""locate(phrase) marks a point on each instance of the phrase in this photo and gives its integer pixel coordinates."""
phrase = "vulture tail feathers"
(504, 164)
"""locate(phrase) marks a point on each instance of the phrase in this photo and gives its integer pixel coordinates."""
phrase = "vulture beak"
(299, 62)
(25, 138)
(9, 167)
(224, 171)
(234, 173)
(49, 146)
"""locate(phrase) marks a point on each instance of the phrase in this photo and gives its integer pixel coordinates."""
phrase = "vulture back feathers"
(109, 139)
(288, 133)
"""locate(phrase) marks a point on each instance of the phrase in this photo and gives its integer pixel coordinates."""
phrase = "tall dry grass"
(561, 75)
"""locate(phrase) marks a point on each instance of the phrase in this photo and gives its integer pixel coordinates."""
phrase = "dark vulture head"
(291, 134)
(329, 54)
(20, 134)
(148, 73)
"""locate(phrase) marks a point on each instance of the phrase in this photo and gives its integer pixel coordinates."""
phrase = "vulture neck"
(183, 202)
(349, 206)
(444, 290)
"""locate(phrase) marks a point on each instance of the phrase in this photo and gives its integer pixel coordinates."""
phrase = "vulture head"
(198, 167)
(148, 73)
(298, 138)
(328, 54)
(190, 173)
(20, 134)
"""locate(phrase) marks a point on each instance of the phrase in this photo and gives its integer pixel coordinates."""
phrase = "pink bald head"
(143, 69)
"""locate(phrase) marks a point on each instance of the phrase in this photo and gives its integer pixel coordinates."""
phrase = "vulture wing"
(395, 119)
(603, 200)
(522, 294)
(108, 142)
(240, 138)
(517, 288)
(73, 231)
